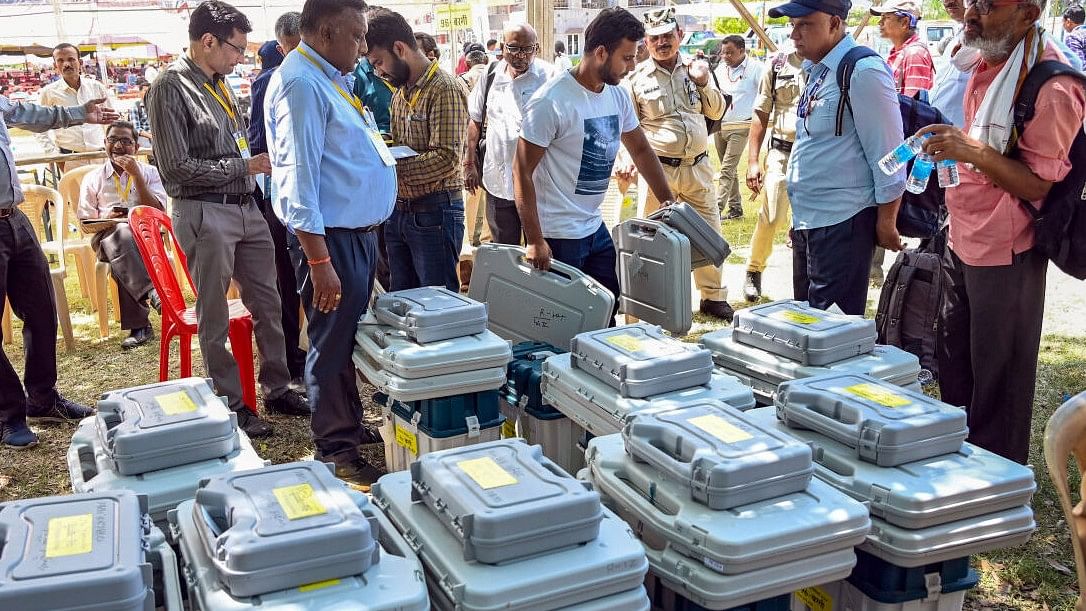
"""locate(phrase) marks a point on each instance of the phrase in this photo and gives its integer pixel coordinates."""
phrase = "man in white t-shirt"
(570, 135)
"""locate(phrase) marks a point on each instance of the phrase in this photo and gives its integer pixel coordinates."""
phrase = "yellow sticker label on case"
(509, 429)
(319, 585)
(625, 341)
(815, 598)
(486, 473)
(720, 428)
(878, 394)
(175, 403)
(407, 440)
(299, 501)
(800, 318)
(70, 536)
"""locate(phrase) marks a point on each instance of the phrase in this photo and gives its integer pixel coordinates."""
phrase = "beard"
(398, 73)
(991, 46)
(607, 76)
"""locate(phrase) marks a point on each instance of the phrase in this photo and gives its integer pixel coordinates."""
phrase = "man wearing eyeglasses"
(107, 193)
(842, 203)
(496, 116)
(673, 96)
(994, 293)
(203, 153)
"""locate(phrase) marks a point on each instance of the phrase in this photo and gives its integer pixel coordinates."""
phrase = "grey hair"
(288, 24)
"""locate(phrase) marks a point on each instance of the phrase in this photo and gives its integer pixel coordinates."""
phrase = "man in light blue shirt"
(334, 184)
(842, 203)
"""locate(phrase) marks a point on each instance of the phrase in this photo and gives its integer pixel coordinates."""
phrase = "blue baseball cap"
(802, 8)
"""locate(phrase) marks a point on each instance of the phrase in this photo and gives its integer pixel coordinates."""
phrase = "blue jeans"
(593, 255)
(832, 264)
(423, 244)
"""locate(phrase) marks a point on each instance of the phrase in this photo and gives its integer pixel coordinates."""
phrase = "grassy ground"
(1034, 577)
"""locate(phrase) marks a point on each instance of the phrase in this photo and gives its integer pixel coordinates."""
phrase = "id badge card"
(243, 144)
(382, 149)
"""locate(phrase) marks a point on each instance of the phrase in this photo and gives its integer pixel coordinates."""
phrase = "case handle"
(659, 457)
(630, 494)
(815, 413)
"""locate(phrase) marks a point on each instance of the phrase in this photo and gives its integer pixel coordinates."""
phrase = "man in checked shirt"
(429, 114)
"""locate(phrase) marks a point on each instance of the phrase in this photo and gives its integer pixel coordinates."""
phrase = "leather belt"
(781, 145)
(229, 199)
(678, 161)
(6, 212)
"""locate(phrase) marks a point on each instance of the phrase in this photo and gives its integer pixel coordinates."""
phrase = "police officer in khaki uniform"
(775, 106)
(673, 97)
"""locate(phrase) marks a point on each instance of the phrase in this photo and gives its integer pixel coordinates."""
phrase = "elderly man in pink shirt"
(995, 293)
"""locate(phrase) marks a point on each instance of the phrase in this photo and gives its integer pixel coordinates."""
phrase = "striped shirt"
(434, 124)
(913, 68)
(194, 136)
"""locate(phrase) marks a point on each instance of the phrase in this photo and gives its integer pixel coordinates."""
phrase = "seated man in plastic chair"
(106, 194)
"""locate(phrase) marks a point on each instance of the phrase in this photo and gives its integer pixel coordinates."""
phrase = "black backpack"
(918, 216)
(1060, 225)
(911, 302)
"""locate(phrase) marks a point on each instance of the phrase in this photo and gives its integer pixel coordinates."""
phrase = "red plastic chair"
(178, 319)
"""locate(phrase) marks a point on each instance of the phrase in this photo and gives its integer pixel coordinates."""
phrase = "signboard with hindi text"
(453, 17)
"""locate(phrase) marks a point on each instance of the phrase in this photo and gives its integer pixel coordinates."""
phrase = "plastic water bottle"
(903, 154)
(918, 178)
(947, 171)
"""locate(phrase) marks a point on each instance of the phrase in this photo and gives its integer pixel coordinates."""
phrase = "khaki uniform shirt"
(779, 95)
(672, 110)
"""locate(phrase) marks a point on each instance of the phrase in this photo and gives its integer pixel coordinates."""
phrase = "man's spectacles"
(121, 141)
(983, 7)
(514, 50)
(240, 50)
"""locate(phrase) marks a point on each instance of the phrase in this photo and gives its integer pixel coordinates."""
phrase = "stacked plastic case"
(528, 416)
(158, 440)
(292, 537)
(90, 551)
(499, 526)
(437, 370)
(788, 340)
(602, 410)
(526, 304)
(885, 424)
(788, 531)
(927, 515)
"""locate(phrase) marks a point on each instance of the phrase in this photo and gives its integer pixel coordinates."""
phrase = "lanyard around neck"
(127, 188)
(222, 100)
(351, 98)
(422, 82)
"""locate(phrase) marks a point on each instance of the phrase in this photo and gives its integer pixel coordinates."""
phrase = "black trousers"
(991, 334)
(329, 372)
(504, 220)
(832, 264)
(288, 292)
(25, 280)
